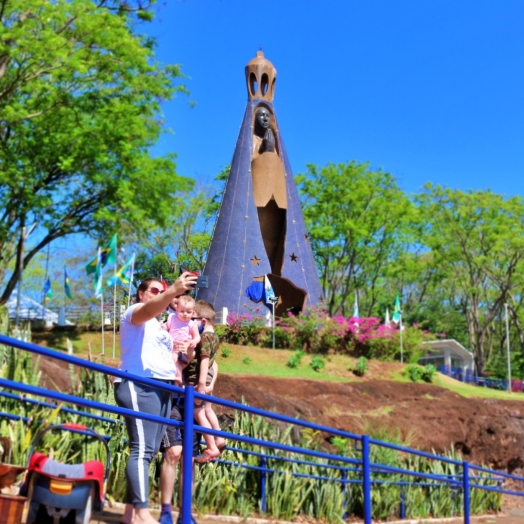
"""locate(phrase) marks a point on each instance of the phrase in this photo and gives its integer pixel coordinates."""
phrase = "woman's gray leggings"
(144, 436)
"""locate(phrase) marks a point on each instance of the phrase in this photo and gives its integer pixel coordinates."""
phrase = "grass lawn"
(82, 342)
(273, 363)
(468, 390)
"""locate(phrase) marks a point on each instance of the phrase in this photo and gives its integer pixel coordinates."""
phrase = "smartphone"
(201, 281)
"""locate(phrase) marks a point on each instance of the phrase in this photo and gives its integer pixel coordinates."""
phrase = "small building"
(451, 358)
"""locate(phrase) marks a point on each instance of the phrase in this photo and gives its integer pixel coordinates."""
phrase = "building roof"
(453, 345)
(30, 310)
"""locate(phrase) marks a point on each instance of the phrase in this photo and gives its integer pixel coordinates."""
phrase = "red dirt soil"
(485, 431)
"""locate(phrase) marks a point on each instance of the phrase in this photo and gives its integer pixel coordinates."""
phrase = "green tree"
(80, 99)
(181, 243)
(477, 240)
(356, 219)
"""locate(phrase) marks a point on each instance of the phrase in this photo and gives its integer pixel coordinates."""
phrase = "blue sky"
(431, 91)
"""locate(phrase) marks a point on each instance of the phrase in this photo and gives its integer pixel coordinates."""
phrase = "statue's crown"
(261, 76)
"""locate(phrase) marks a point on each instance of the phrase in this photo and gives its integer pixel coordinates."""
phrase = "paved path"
(511, 515)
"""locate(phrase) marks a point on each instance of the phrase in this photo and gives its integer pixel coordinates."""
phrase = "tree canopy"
(356, 221)
(80, 101)
(454, 257)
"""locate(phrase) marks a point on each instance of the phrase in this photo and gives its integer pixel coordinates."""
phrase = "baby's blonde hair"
(185, 300)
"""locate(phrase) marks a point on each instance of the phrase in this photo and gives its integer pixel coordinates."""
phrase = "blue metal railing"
(364, 466)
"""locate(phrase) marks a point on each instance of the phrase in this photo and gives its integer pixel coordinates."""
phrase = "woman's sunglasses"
(155, 290)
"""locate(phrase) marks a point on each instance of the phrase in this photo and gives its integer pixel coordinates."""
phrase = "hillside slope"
(486, 431)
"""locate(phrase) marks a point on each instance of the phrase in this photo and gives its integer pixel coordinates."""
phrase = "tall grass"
(224, 488)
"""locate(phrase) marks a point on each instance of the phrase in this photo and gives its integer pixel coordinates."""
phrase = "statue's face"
(262, 117)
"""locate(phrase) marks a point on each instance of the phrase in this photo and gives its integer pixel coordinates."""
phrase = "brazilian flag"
(124, 275)
(48, 292)
(67, 285)
(397, 313)
(107, 255)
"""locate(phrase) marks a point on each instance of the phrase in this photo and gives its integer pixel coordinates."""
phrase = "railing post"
(402, 504)
(263, 484)
(187, 456)
(344, 492)
(465, 487)
(366, 479)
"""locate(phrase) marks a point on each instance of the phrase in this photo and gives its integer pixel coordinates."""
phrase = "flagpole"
(273, 324)
(397, 318)
(101, 300)
(64, 302)
(131, 280)
(103, 319)
(46, 271)
(114, 297)
(20, 270)
(273, 299)
(401, 347)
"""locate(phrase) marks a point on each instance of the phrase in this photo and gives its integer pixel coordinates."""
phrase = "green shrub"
(221, 330)
(429, 372)
(295, 359)
(247, 361)
(361, 367)
(225, 352)
(283, 338)
(318, 363)
(413, 372)
(387, 347)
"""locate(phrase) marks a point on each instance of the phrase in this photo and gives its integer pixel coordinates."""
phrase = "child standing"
(199, 373)
(183, 330)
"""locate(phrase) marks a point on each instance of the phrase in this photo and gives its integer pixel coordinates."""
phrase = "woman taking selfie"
(146, 350)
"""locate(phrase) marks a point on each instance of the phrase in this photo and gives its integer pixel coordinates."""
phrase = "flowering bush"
(314, 331)
(244, 329)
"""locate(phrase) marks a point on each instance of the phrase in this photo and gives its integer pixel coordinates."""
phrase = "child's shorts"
(210, 375)
(174, 435)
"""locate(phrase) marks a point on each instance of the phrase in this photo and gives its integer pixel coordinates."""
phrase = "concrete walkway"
(510, 515)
